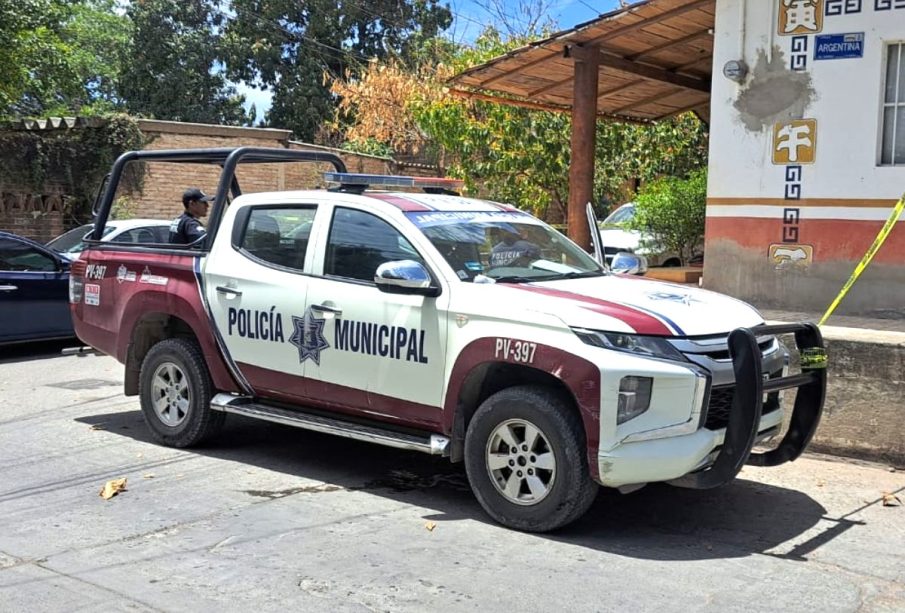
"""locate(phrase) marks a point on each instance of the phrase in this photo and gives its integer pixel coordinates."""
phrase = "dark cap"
(193, 193)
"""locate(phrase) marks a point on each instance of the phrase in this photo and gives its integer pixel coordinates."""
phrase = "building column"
(584, 124)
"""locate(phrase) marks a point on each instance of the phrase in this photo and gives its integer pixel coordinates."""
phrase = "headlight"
(634, 398)
(645, 346)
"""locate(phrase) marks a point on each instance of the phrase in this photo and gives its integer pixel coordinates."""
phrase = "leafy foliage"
(505, 153)
(374, 107)
(515, 155)
(97, 37)
(172, 68)
(628, 153)
(672, 211)
(295, 49)
(59, 57)
(370, 74)
(512, 154)
(78, 159)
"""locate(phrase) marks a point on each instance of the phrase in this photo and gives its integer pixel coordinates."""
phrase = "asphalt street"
(268, 518)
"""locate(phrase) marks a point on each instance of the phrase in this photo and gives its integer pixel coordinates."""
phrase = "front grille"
(720, 407)
(724, 354)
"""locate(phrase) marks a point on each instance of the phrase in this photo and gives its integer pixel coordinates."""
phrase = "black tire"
(569, 490)
(192, 421)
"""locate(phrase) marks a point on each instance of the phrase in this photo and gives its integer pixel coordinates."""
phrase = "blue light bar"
(365, 180)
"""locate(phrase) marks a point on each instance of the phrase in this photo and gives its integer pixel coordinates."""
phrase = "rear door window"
(278, 235)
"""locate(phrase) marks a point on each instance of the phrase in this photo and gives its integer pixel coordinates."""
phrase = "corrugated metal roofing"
(655, 61)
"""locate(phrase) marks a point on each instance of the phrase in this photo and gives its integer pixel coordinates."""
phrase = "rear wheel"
(175, 390)
(526, 459)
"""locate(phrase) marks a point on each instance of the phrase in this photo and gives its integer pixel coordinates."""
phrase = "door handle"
(8, 288)
(222, 289)
(323, 308)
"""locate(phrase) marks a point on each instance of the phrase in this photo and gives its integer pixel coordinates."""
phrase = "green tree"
(504, 152)
(172, 69)
(627, 154)
(18, 21)
(672, 211)
(296, 48)
(59, 56)
(97, 36)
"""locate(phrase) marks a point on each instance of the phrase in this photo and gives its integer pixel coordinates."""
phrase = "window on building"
(893, 150)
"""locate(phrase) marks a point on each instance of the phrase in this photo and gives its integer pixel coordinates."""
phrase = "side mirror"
(629, 263)
(405, 277)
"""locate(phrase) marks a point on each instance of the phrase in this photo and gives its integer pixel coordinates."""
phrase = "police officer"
(186, 228)
(514, 249)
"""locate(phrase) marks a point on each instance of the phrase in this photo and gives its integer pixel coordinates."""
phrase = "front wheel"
(526, 459)
(175, 391)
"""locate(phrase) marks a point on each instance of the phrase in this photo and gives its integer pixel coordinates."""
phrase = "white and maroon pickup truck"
(447, 325)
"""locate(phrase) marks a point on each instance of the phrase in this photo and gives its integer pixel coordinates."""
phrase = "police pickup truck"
(447, 325)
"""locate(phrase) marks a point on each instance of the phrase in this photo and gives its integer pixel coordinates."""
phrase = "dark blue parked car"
(34, 291)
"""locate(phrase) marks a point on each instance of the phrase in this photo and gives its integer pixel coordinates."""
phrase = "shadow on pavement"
(658, 522)
(37, 350)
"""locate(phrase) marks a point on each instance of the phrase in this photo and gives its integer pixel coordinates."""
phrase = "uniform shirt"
(185, 229)
(521, 251)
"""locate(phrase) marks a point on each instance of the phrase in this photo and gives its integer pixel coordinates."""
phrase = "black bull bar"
(747, 405)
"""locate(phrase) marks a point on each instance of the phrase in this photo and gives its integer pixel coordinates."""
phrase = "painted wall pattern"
(795, 142)
(796, 191)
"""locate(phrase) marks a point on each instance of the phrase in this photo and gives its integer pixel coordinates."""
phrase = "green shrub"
(671, 211)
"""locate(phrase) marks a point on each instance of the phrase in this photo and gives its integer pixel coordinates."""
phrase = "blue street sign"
(839, 46)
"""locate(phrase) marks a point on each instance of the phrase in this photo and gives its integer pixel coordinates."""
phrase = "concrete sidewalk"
(865, 407)
(840, 321)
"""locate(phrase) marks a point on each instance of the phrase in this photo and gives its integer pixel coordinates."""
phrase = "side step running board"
(433, 444)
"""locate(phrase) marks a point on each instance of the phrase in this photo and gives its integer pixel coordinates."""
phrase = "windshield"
(503, 246)
(71, 242)
(623, 214)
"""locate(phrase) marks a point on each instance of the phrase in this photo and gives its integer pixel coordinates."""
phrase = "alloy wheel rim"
(520, 462)
(171, 395)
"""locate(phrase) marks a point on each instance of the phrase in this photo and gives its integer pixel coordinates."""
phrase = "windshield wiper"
(575, 275)
(514, 279)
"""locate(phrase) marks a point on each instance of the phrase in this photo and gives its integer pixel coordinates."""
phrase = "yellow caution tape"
(813, 358)
(865, 261)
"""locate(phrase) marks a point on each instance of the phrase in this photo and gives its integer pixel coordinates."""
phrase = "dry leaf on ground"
(891, 500)
(112, 488)
(430, 526)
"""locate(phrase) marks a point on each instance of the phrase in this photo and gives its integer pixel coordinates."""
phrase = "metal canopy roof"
(655, 61)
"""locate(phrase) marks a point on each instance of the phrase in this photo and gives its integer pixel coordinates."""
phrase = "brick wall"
(161, 195)
(39, 214)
